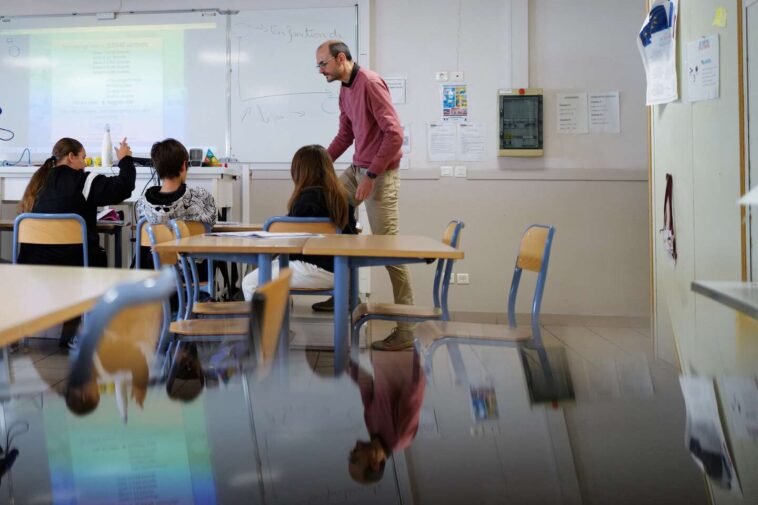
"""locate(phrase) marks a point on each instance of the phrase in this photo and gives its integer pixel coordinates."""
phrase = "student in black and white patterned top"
(173, 199)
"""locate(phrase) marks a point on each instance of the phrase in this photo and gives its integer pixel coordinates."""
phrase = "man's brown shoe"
(398, 340)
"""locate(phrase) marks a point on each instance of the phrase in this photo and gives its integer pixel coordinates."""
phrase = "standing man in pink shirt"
(368, 118)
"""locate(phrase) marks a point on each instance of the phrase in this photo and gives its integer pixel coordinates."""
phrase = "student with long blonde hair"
(317, 193)
(60, 186)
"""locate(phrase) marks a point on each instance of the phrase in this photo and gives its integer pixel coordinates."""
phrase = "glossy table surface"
(36, 297)
(497, 425)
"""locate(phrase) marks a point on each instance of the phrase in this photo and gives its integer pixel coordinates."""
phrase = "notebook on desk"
(263, 234)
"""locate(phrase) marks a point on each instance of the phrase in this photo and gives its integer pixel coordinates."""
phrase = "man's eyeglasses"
(322, 64)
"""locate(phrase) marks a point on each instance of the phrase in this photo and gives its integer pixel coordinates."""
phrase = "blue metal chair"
(322, 225)
(184, 327)
(365, 312)
(110, 314)
(49, 229)
(182, 229)
(139, 240)
(533, 255)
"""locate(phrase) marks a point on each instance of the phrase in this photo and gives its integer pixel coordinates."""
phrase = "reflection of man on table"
(368, 118)
(392, 408)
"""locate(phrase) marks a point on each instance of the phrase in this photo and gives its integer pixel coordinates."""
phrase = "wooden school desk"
(36, 297)
(353, 251)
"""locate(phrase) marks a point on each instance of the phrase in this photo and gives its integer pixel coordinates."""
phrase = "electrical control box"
(520, 122)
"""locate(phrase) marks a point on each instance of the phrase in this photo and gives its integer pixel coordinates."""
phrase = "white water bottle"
(106, 152)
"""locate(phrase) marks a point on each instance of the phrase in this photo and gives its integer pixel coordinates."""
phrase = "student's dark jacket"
(64, 192)
(312, 203)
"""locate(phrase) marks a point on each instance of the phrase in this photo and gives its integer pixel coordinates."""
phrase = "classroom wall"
(592, 188)
(699, 145)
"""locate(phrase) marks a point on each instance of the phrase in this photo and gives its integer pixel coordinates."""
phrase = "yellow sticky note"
(719, 19)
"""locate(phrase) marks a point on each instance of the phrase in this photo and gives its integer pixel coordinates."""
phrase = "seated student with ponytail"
(62, 186)
(317, 193)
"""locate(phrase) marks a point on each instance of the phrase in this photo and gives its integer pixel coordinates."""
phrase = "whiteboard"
(244, 84)
(280, 101)
(149, 76)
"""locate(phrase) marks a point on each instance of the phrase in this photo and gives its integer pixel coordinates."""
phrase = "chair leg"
(456, 359)
(355, 332)
(536, 332)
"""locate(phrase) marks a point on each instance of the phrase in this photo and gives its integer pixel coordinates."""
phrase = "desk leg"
(264, 268)
(284, 335)
(117, 244)
(341, 314)
(5, 368)
(354, 278)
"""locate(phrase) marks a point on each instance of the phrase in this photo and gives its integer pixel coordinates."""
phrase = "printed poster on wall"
(703, 69)
(604, 112)
(657, 45)
(440, 141)
(454, 102)
(571, 113)
(396, 85)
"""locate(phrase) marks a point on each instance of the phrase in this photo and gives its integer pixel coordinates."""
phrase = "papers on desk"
(108, 214)
(263, 234)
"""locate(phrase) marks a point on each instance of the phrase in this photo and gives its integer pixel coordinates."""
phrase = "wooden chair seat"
(221, 308)
(426, 333)
(396, 310)
(210, 327)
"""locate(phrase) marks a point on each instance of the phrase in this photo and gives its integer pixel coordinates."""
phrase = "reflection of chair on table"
(534, 255)
(123, 328)
(365, 312)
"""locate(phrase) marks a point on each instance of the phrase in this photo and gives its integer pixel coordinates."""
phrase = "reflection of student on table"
(392, 408)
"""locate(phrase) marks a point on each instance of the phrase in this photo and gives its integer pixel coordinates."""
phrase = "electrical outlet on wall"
(440, 76)
(461, 278)
(446, 171)
(456, 76)
(460, 171)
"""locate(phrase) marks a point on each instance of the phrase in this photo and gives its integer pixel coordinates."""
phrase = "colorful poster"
(657, 45)
(454, 102)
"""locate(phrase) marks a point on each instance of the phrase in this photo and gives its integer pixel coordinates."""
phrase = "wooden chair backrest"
(532, 249)
(326, 228)
(275, 299)
(162, 233)
(447, 238)
(190, 228)
(135, 328)
(49, 231)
